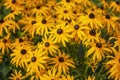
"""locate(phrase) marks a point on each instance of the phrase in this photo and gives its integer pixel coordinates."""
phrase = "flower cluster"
(59, 40)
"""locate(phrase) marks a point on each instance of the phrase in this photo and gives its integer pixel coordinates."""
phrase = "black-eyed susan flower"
(48, 45)
(31, 3)
(17, 75)
(115, 6)
(64, 13)
(13, 4)
(90, 78)
(109, 21)
(5, 44)
(4, 24)
(113, 65)
(61, 33)
(45, 25)
(30, 25)
(92, 36)
(37, 59)
(67, 3)
(62, 62)
(67, 77)
(78, 30)
(85, 3)
(20, 55)
(39, 10)
(52, 74)
(13, 13)
(98, 50)
(91, 19)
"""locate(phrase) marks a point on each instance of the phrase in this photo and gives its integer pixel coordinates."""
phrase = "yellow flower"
(113, 65)
(13, 13)
(67, 3)
(17, 76)
(13, 4)
(45, 25)
(78, 30)
(85, 3)
(51, 75)
(115, 6)
(98, 49)
(31, 3)
(109, 21)
(37, 59)
(20, 55)
(39, 10)
(64, 13)
(62, 62)
(91, 19)
(67, 77)
(48, 45)
(92, 36)
(61, 33)
(90, 78)
(30, 24)
(5, 44)
(4, 24)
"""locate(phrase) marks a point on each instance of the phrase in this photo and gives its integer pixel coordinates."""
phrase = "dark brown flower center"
(47, 44)
(117, 3)
(4, 41)
(44, 21)
(107, 16)
(67, 0)
(76, 27)
(38, 7)
(61, 59)
(59, 31)
(11, 11)
(23, 51)
(33, 59)
(13, 1)
(65, 11)
(17, 79)
(99, 45)
(33, 22)
(1, 20)
(119, 60)
(21, 40)
(92, 32)
(91, 15)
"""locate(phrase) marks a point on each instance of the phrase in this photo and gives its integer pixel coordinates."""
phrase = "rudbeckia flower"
(92, 36)
(78, 30)
(5, 44)
(51, 75)
(85, 3)
(91, 19)
(61, 33)
(98, 50)
(31, 3)
(62, 62)
(67, 77)
(13, 13)
(45, 25)
(115, 6)
(90, 78)
(109, 21)
(4, 24)
(17, 75)
(20, 55)
(67, 3)
(30, 25)
(113, 65)
(36, 60)
(64, 13)
(48, 45)
(13, 4)
(40, 10)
